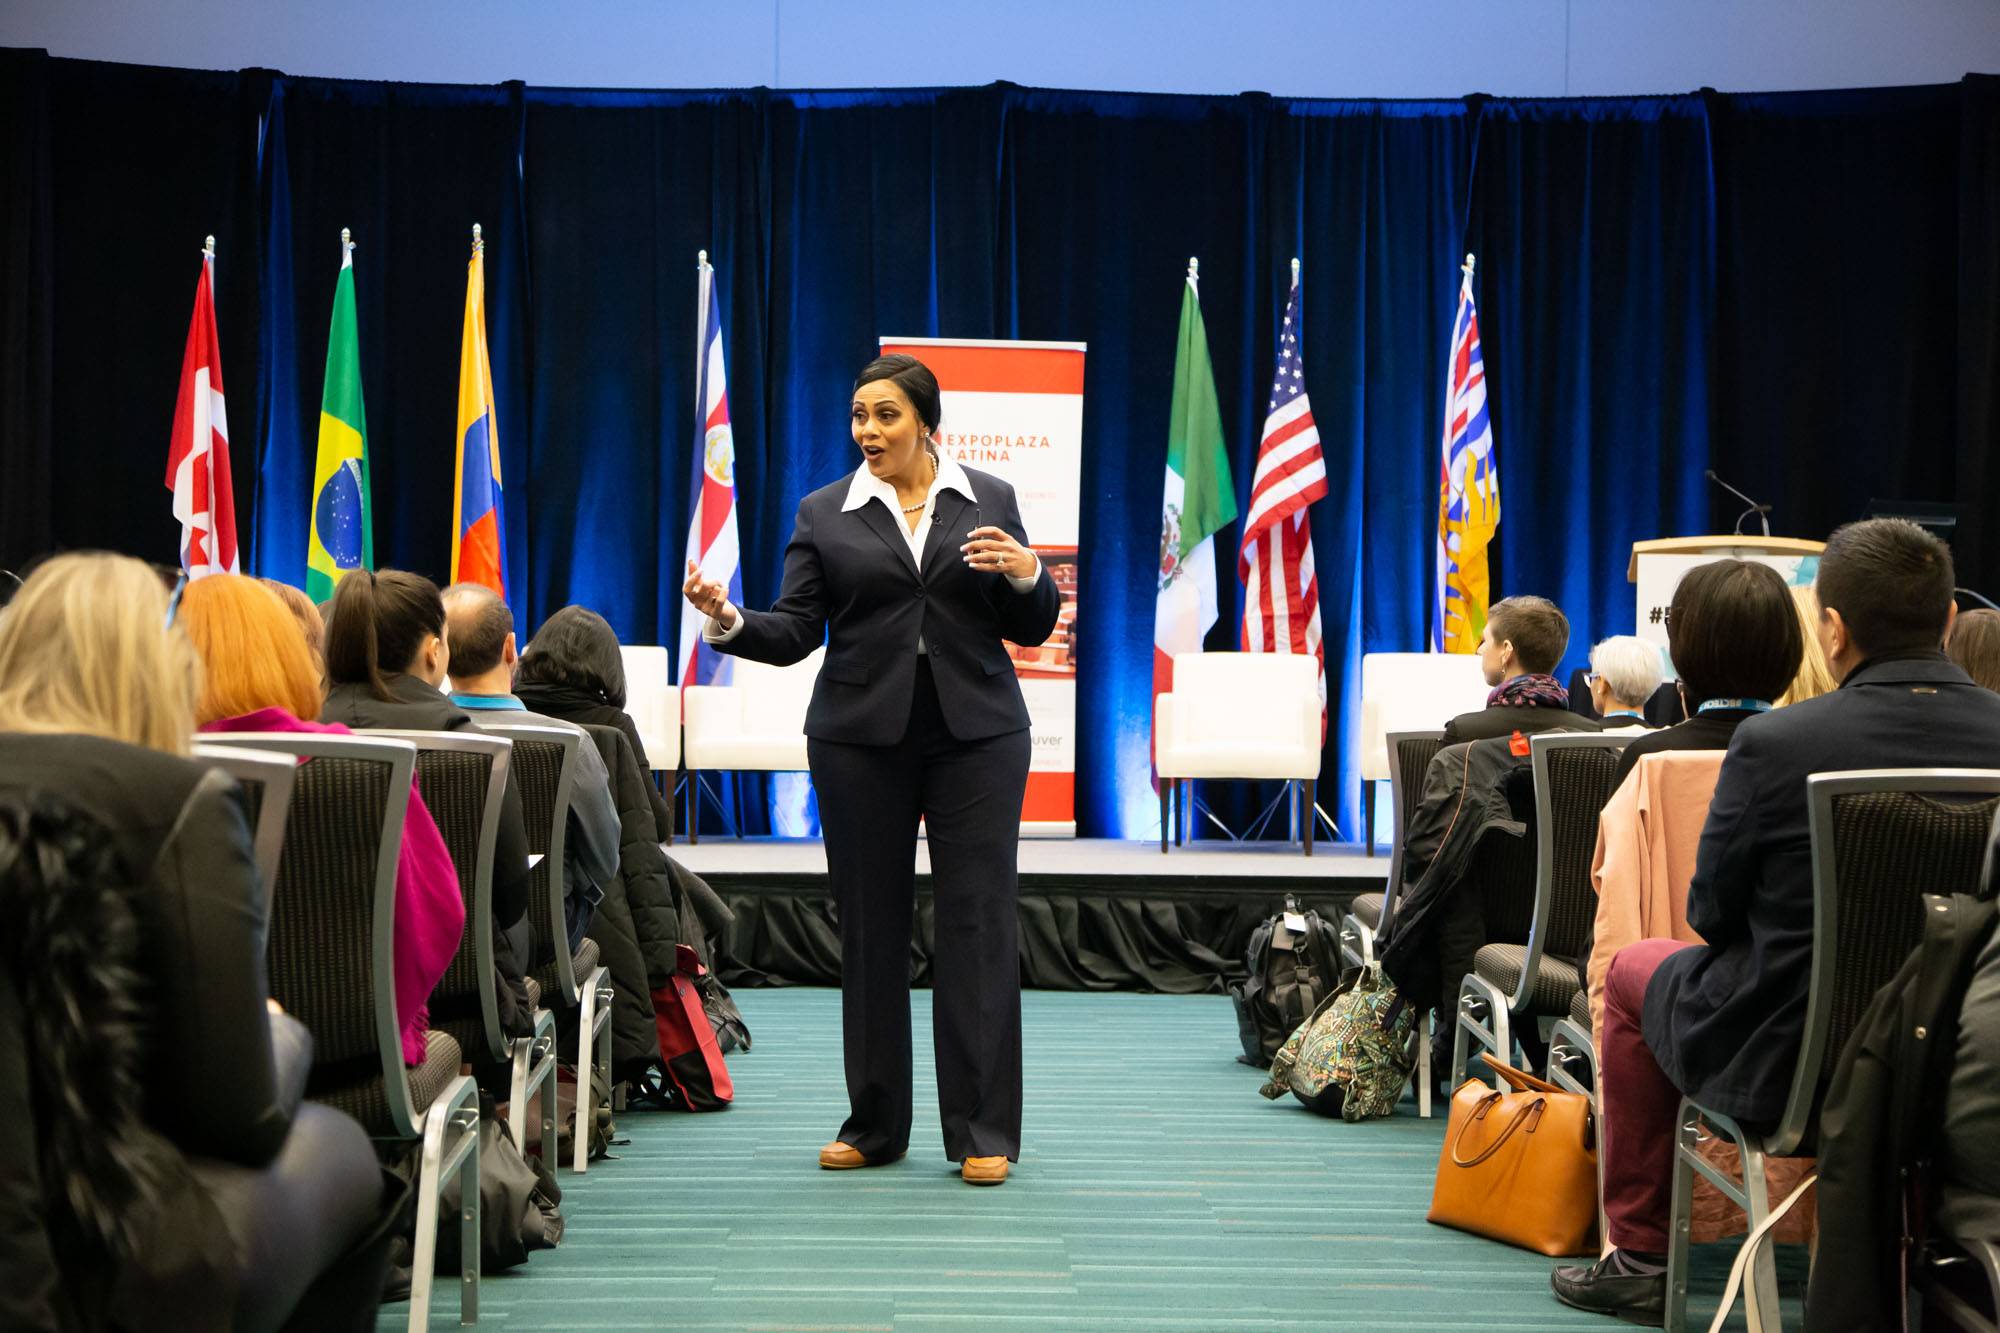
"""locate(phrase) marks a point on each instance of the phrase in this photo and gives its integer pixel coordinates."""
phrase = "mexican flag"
(1199, 501)
(343, 537)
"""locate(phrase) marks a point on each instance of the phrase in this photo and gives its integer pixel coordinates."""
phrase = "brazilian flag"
(343, 536)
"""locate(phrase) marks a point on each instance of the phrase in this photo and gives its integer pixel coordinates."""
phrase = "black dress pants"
(969, 795)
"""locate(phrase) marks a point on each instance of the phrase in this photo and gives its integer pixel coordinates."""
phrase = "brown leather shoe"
(838, 1156)
(983, 1170)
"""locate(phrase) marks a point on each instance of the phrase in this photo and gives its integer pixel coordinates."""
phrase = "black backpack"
(1290, 972)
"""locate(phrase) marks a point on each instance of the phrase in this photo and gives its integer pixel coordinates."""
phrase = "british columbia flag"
(1281, 589)
(711, 539)
(1468, 490)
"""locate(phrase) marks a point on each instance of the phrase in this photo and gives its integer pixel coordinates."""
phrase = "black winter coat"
(586, 709)
(1879, 1127)
(638, 923)
(211, 1081)
(1466, 796)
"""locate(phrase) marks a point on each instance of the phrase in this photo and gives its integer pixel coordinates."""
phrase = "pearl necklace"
(911, 509)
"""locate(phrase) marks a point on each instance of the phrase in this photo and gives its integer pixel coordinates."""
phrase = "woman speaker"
(913, 569)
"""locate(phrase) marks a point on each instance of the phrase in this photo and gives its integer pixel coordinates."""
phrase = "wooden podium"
(1657, 567)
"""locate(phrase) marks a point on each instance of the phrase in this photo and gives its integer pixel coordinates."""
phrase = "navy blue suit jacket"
(849, 581)
(1725, 1019)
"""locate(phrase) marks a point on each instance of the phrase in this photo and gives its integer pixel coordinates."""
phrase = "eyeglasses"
(174, 600)
(1591, 678)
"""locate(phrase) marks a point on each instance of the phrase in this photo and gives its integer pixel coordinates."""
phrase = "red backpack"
(696, 1079)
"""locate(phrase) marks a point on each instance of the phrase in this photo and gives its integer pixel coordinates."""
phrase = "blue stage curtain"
(1594, 226)
(1800, 290)
(408, 168)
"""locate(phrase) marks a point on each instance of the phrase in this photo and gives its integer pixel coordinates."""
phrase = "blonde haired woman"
(1814, 678)
(192, 1183)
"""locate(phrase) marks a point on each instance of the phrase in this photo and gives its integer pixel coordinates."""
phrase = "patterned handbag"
(1352, 1057)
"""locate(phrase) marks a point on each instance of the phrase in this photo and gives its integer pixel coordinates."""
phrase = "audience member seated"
(481, 633)
(1975, 646)
(1813, 678)
(386, 658)
(637, 924)
(1735, 640)
(1624, 672)
(311, 627)
(1471, 787)
(258, 675)
(1524, 639)
(1722, 1021)
(573, 670)
(181, 1171)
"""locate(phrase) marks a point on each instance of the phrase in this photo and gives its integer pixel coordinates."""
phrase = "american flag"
(1281, 598)
(1468, 490)
(711, 538)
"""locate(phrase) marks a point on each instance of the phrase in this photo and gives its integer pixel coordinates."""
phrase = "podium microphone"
(1762, 511)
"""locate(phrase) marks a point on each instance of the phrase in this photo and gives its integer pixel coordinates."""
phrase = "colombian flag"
(475, 508)
(343, 537)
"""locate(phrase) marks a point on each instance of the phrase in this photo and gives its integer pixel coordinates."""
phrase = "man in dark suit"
(1722, 1022)
(1523, 641)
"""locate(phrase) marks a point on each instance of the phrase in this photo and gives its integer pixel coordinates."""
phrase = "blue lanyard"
(1750, 705)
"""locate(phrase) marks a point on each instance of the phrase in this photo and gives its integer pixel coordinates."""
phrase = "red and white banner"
(1015, 409)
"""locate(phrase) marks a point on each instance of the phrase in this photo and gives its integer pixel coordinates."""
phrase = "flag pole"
(1295, 270)
(208, 249)
(1466, 267)
(478, 245)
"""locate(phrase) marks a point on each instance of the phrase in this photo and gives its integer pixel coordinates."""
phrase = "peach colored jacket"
(1647, 837)
(1646, 842)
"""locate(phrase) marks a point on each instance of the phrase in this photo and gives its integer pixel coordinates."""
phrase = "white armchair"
(1237, 715)
(654, 703)
(757, 723)
(1409, 692)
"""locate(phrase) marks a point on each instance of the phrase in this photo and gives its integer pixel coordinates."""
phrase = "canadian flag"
(198, 459)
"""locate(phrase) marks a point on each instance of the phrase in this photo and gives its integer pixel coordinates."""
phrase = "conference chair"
(1538, 977)
(545, 764)
(266, 782)
(654, 706)
(1881, 839)
(756, 723)
(1410, 754)
(1408, 692)
(1959, 1281)
(463, 778)
(331, 942)
(1573, 1066)
(1237, 715)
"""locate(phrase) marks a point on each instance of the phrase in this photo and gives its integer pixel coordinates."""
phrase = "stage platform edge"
(1096, 914)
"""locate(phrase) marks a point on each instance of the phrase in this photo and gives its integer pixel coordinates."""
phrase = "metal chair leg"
(1680, 1219)
(593, 1017)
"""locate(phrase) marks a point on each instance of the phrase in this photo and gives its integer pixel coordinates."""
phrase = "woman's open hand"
(708, 597)
(992, 550)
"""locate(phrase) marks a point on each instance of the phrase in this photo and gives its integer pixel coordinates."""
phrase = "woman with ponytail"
(386, 658)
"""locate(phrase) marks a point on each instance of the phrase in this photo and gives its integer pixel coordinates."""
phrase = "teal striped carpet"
(1156, 1190)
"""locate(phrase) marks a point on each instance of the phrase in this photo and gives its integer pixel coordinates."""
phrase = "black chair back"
(266, 782)
(331, 937)
(1572, 777)
(1410, 753)
(1881, 839)
(462, 776)
(544, 765)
